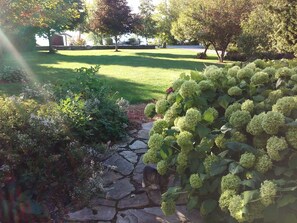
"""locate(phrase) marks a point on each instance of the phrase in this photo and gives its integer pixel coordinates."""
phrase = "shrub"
(12, 74)
(236, 156)
(52, 147)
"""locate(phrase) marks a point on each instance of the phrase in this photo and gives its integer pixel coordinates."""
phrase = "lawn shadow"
(125, 60)
(121, 87)
(167, 55)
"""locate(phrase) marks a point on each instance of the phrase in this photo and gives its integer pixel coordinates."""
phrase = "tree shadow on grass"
(167, 55)
(126, 60)
(131, 91)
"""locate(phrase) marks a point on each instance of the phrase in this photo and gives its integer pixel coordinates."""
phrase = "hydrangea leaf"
(293, 161)
(250, 195)
(193, 202)
(285, 200)
(208, 206)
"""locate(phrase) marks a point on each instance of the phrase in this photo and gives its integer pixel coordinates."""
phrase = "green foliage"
(235, 152)
(54, 145)
(12, 75)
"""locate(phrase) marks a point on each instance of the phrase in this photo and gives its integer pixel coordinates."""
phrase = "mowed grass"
(137, 75)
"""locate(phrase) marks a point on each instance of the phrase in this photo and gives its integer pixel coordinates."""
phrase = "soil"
(136, 116)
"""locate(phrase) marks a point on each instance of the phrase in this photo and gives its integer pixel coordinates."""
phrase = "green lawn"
(138, 75)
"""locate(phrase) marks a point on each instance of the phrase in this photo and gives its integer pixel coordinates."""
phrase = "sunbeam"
(18, 57)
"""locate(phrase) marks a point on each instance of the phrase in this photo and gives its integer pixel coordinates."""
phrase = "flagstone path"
(125, 200)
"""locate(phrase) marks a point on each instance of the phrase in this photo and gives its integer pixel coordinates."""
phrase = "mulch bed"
(136, 116)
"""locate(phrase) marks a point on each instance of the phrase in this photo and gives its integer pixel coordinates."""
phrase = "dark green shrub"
(230, 136)
(12, 74)
(52, 147)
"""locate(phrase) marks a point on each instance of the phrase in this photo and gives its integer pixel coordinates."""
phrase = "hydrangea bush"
(230, 136)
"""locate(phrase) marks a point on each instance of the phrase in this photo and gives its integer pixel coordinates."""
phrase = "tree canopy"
(112, 17)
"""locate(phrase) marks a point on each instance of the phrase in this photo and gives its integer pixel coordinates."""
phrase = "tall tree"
(147, 25)
(285, 20)
(220, 21)
(113, 18)
(47, 16)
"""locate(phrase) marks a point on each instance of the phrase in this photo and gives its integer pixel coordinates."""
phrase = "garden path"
(125, 200)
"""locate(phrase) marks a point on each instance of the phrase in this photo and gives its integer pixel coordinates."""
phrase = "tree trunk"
(146, 41)
(116, 43)
(222, 56)
(206, 47)
(50, 46)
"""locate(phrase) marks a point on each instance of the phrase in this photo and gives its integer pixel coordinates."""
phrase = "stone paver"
(101, 213)
(138, 145)
(110, 177)
(122, 165)
(143, 134)
(125, 200)
(134, 201)
(120, 189)
(130, 156)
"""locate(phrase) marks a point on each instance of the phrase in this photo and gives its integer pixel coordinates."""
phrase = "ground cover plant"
(137, 75)
(51, 143)
(230, 135)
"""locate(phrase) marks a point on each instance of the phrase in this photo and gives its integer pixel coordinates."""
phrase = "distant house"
(60, 39)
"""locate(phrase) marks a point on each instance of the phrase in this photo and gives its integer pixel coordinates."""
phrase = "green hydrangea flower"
(193, 116)
(150, 157)
(236, 208)
(195, 181)
(184, 139)
(260, 63)
(171, 98)
(168, 207)
(232, 72)
(206, 85)
(260, 78)
(251, 66)
(232, 81)
(254, 127)
(284, 105)
(172, 113)
(274, 96)
(235, 91)
(177, 84)
(162, 167)
(284, 72)
(221, 141)
(238, 137)
(274, 146)
(161, 106)
(263, 164)
(248, 105)
(149, 110)
(245, 74)
(231, 109)
(182, 159)
(155, 142)
(270, 70)
(247, 160)
(240, 118)
(272, 121)
(214, 73)
(230, 182)
(209, 160)
(189, 89)
(159, 126)
(268, 192)
(291, 137)
(225, 199)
